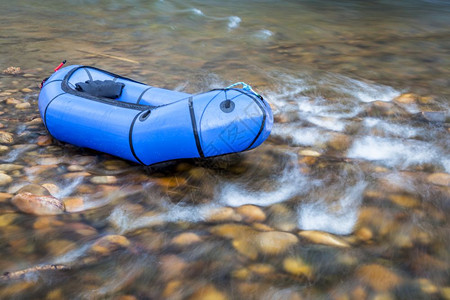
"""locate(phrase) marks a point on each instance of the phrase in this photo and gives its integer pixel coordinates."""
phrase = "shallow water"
(347, 199)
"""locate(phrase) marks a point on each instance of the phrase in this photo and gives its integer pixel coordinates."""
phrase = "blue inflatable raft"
(96, 109)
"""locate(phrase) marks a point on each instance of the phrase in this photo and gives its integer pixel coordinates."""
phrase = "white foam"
(197, 11)
(328, 123)
(301, 136)
(398, 152)
(366, 92)
(320, 215)
(392, 129)
(263, 34)
(286, 185)
(233, 22)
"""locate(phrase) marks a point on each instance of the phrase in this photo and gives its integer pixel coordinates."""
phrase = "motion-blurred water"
(348, 198)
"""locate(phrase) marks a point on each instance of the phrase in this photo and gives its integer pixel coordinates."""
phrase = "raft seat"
(133, 91)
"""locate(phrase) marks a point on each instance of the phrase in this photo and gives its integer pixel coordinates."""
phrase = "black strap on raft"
(56, 69)
(101, 88)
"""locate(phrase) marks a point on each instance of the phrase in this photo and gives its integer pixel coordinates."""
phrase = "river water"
(347, 199)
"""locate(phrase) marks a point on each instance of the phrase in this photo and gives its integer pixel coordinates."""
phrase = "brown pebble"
(5, 196)
(251, 213)
(104, 179)
(172, 289)
(364, 234)
(23, 105)
(208, 292)
(44, 140)
(38, 205)
(73, 204)
(5, 179)
(245, 247)
(26, 90)
(107, 244)
(34, 189)
(222, 214)
(324, 238)
(12, 101)
(296, 266)
(6, 137)
(274, 242)
(186, 239)
(404, 200)
(378, 277)
(439, 179)
(172, 267)
(408, 98)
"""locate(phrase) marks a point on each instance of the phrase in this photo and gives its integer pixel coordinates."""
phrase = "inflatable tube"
(149, 125)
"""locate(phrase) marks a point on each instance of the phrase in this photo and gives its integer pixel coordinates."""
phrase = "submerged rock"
(251, 213)
(5, 179)
(208, 292)
(107, 244)
(34, 189)
(6, 137)
(274, 242)
(44, 140)
(186, 239)
(324, 238)
(104, 179)
(439, 179)
(378, 277)
(297, 267)
(38, 205)
(407, 98)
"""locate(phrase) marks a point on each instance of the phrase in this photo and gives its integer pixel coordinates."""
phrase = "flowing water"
(347, 199)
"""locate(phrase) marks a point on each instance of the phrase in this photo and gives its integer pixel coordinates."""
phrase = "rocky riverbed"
(353, 214)
(347, 199)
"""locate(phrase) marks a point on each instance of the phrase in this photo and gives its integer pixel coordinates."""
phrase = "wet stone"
(103, 179)
(107, 244)
(251, 213)
(44, 140)
(186, 239)
(172, 267)
(208, 292)
(324, 238)
(7, 219)
(5, 196)
(34, 189)
(5, 179)
(58, 247)
(10, 167)
(297, 267)
(404, 200)
(274, 242)
(26, 90)
(73, 204)
(439, 179)
(75, 168)
(6, 138)
(245, 247)
(12, 101)
(222, 214)
(378, 277)
(51, 187)
(23, 105)
(364, 234)
(38, 205)
(3, 149)
(408, 98)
